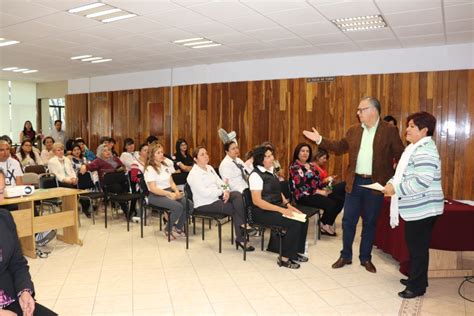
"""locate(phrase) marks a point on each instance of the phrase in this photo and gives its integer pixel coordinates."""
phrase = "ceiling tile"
(222, 10)
(233, 38)
(23, 31)
(108, 32)
(289, 42)
(459, 26)
(179, 17)
(415, 41)
(250, 22)
(384, 33)
(327, 39)
(266, 7)
(139, 25)
(144, 7)
(460, 37)
(311, 29)
(418, 30)
(270, 34)
(170, 35)
(459, 12)
(379, 44)
(208, 29)
(414, 17)
(61, 5)
(66, 21)
(297, 16)
(7, 20)
(391, 6)
(338, 47)
(246, 47)
(348, 9)
(25, 9)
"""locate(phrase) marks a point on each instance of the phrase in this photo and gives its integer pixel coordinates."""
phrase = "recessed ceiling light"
(120, 17)
(9, 68)
(30, 71)
(20, 70)
(360, 23)
(86, 7)
(188, 40)
(208, 45)
(197, 43)
(80, 57)
(91, 58)
(100, 61)
(101, 13)
(8, 43)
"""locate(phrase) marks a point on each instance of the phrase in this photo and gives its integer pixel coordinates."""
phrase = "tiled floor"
(116, 272)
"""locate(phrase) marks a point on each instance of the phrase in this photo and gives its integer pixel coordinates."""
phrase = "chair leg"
(319, 224)
(105, 212)
(280, 237)
(161, 220)
(186, 231)
(232, 231)
(202, 230)
(168, 227)
(263, 237)
(219, 232)
(142, 211)
(127, 215)
(194, 225)
(210, 226)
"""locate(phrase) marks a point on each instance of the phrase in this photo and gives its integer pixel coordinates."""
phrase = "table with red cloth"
(454, 231)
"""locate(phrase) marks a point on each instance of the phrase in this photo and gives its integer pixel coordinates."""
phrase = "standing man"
(233, 169)
(372, 145)
(57, 133)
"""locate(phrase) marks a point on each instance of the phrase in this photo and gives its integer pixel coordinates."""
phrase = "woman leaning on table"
(271, 205)
(417, 196)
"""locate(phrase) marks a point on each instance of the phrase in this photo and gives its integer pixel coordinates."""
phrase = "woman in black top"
(271, 205)
(182, 159)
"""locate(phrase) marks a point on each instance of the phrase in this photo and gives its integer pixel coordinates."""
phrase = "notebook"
(301, 217)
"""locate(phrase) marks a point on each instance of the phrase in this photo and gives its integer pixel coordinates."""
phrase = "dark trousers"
(177, 208)
(293, 242)
(234, 207)
(360, 202)
(418, 236)
(331, 205)
(85, 203)
(40, 310)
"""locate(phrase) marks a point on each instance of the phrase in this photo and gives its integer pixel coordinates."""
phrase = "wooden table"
(28, 225)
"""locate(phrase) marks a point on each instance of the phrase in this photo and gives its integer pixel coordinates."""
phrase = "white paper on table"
(374, 186)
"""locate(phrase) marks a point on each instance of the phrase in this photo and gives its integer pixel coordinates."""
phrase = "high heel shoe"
(288, 264)
(241, 245)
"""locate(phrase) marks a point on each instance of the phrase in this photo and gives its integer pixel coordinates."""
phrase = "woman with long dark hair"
(128, 155)
(182, 158)
(27, 156)
(28, 132)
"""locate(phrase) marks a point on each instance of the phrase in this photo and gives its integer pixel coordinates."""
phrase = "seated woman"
(271, 206)
(182, 158)
(321, 158)
(77, 158)
(138, 166)
(27, 156)
(47, 152)
(128, 155)
(62, 168)
(86, 152)
(212, 195)
(163, 191)
(311, 191)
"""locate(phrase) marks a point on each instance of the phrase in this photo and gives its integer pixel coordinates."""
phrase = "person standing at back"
(57, 133)
(372, 145)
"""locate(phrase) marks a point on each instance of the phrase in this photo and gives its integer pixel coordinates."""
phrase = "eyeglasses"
(363, 109)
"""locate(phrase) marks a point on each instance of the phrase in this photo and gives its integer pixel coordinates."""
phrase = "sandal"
(171, 235)
(178, 232)
(288, 264)
(300, 258)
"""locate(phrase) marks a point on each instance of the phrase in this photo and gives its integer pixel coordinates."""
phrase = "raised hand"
(314, 135)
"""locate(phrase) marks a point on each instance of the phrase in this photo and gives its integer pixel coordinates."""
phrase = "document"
(374, 186)
(301, 217)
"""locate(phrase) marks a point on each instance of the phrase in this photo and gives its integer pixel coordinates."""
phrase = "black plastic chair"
(310, 211)
(143, 188)
(49, 181)
(279, 230)
(85, 182)
(205, 216)
(180, 178)
(117, 189)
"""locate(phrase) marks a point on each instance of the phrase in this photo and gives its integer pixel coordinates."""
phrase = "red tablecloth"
(454, 230)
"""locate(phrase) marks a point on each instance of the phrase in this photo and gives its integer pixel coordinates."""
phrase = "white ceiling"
(248, 29)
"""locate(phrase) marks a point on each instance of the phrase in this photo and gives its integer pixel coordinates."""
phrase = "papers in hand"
(374, 186)
(301, 217)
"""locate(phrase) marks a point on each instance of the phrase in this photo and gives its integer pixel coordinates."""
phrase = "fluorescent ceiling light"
(87, 7)
(91, 58)
(120, 17)
(188, 40)
(9, 68)
(80, 57)
(8, 43)
(360, 23)
(197, 43)
(20, 70)
(101, 13)
(30, 71)
(100, 61)
(209, 45)
(2, 39)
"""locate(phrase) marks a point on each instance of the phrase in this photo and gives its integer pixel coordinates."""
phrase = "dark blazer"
(14, 270)
(387, 146)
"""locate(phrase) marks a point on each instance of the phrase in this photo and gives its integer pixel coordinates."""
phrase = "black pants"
(40, 310)
(331, 204)
(85, 204)
(418, 236)
(294, 240)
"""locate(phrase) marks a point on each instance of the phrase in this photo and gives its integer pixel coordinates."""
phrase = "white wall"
(436, 58)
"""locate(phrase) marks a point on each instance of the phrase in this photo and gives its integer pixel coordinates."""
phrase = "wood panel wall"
(278, 110)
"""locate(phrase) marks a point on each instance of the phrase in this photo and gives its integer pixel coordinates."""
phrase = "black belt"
(364, 176)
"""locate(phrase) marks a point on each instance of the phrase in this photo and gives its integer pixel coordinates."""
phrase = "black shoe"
(288, 264)
(250, 231)
(300, 258)
(241, 245)
(409, 294)
(404, 281)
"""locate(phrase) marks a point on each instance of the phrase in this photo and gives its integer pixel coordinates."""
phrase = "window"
(56, 112)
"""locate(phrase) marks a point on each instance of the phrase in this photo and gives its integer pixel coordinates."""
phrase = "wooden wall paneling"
(460, 144)
(100, 117)
(77, 116)
(125, 116)
(469, 131)
(155, 116)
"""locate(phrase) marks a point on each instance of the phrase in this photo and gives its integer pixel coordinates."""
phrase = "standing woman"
(27, 156)
(28, 132)
(417, 196)
(128, 155)
(163, 191)
(47, 152)
(183, 160)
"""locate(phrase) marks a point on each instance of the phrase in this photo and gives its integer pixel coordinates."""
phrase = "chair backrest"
(38, 169)
(48, 181)
(285, 189)
(188, 193)
(248, 204)
(116, 182)
(180, 178)
(31, 178)
(141, 183)
(84, 181)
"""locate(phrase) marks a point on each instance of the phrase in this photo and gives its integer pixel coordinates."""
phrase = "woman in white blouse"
(47, 152)
(163, 190)
(212, 195)
(129, 155)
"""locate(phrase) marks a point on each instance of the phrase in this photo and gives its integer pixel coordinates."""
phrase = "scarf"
(397, 178)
